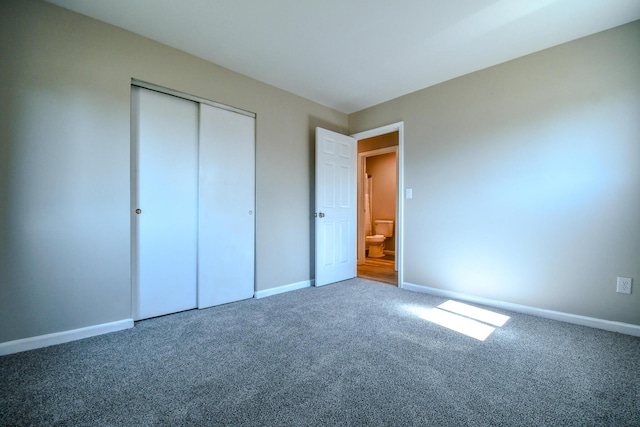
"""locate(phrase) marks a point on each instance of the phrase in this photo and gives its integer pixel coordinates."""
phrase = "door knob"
(138, 211)
(321, 215)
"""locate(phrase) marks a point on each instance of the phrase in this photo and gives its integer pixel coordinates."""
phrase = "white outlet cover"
(624, 285)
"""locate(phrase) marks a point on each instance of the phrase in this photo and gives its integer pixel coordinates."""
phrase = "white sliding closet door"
(165, 190)
(227, 203)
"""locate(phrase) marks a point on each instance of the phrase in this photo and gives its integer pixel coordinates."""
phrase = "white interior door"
(336, 207)
(165, 178)
(227, 202)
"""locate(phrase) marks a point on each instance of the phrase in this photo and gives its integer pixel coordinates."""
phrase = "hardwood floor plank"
(379, 269)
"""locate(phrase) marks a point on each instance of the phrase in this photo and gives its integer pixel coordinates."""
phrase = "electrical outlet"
(624, 285)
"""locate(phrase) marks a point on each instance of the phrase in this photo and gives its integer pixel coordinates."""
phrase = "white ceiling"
(353, 54)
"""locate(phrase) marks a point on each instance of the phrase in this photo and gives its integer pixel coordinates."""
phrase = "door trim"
(393, 127)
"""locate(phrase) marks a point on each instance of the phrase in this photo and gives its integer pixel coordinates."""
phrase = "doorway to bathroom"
(378, 207)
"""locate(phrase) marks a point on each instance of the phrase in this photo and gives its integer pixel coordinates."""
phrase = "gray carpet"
(344, 354)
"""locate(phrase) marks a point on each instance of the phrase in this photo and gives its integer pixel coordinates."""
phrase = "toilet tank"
(384, 227)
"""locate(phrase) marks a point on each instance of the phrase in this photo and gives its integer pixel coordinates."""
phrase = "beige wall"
(526, 180)
(64, 165)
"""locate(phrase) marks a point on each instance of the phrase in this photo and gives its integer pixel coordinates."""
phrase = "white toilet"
(383, 229)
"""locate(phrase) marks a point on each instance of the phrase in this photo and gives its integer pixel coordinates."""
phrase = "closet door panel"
(226, 236)
(165, 189)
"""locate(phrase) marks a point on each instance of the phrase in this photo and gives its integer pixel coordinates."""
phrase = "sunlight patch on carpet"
(471, 321)
(476, 313)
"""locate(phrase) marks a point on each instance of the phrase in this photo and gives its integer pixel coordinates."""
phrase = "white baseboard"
(607, 325)
(40, 341)
(282, 289)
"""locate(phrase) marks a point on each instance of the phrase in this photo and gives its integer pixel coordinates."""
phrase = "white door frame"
(399, 127)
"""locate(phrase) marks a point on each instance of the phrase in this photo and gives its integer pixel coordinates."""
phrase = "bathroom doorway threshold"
(379, 269)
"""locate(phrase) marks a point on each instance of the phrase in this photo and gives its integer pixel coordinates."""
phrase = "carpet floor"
(353, 353)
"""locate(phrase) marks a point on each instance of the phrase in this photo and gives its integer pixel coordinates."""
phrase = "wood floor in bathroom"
(379, 269)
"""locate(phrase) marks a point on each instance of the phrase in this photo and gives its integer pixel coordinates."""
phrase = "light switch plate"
(408, 193)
